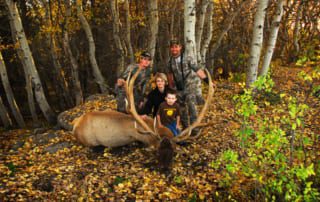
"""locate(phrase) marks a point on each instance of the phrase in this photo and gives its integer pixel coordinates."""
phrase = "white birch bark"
(273, 38)
(26, 57)
(5, 118)
(153, 25)
(199, 27)
(189, 28)
(256, 43)
(10, 97)
(99, 79)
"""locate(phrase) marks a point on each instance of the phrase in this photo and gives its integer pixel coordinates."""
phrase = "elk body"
(112, 129)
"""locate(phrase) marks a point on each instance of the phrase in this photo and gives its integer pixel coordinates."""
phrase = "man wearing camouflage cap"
(185, 76)
(139, 85)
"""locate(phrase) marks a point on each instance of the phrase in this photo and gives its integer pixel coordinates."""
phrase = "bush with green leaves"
(273, 152)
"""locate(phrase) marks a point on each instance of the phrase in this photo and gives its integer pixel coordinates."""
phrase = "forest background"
(54, 54)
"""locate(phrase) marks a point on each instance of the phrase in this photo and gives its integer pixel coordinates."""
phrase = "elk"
(112, 129)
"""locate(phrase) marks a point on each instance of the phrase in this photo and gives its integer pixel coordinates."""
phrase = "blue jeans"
(173, 128)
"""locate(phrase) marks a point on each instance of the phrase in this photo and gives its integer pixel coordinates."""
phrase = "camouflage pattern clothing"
(188, 85)
(138, 90)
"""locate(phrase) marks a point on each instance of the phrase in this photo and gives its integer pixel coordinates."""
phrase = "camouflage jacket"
(142, 79)
(184, 73)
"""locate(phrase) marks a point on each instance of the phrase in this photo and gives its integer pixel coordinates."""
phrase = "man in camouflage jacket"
(139, 85)
(185, 76)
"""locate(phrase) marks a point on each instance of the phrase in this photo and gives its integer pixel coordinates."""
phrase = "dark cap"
(146, 54)
(174, 42)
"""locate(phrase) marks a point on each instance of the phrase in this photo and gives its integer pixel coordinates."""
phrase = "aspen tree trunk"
(4, 115)
(128, 30)
(77, 91)
(61, 83)
(28, 81)
(256, 43)
(208, 36)
(29, 62)
(116, 35)
(273, 38)
(154, 25)
(99, 79)
(10, 97)
(189, 28)
(297, 28)
(199, 28)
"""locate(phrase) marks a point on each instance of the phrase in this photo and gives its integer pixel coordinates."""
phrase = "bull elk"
(112, 129)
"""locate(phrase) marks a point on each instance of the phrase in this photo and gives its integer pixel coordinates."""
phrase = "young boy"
(169, 112)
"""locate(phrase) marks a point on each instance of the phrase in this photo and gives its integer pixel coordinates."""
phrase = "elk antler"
(185, 134)
(132, 108)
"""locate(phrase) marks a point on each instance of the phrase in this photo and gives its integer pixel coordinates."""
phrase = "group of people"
(178, 90)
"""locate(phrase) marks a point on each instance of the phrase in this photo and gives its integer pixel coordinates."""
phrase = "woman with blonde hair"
(156, 96)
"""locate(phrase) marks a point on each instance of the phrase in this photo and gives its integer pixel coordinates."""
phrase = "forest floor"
(48, 164)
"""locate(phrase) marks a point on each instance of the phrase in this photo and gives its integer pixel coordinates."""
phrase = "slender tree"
(26, 57)
(189, 28)
(199, 27)
(4, 115)
(10, 97)
(76, 85)
(256, 43)
(153, 25)
(61, 83)
(207, 36)
(272, 38)
(99, 79)
(128, 30)
(116, 35)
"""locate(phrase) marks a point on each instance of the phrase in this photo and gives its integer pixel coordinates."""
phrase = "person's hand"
(144, 117)
(214, 85)
(178, 127)
(160, 126)
(121, 82)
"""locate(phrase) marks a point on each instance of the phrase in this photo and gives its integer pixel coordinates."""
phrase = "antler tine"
(185, 134)
(132, 108)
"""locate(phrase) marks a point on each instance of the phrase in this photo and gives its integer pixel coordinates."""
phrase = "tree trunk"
(189, 28)
(28, 81)
(77, 91)
(10, 97)
(61, 83)
(116, 35)
(200, 27)
(99, 79)
(153, 25)
(208, 36)
(29, 62)
(128, 31)
(272, 39)
(5, 118)
(256, 43)
(297, 29)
